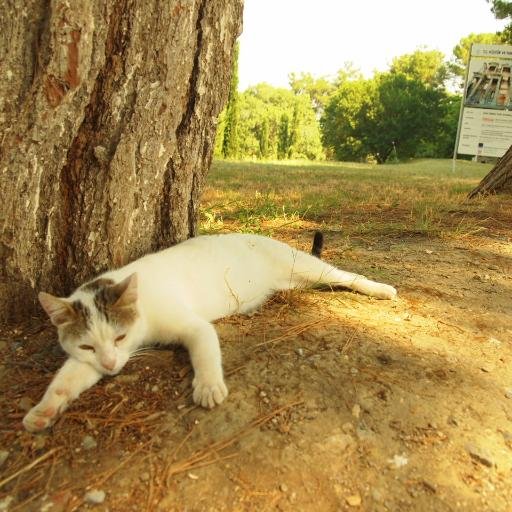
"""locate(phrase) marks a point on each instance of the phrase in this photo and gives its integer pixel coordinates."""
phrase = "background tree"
(318, 89)
(406, 109)
(407, 115)
(107, 121)
(463, 48)
(350, 105)
(426, 66)
(502, 9)
(230, 141)
(276, 123)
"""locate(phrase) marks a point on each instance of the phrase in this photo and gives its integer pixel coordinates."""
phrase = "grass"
(419, 198)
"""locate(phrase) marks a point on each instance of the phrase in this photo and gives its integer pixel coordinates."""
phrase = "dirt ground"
(337, 401)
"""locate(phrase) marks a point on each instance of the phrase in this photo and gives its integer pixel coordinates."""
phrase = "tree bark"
(108, 113)
(499, 178)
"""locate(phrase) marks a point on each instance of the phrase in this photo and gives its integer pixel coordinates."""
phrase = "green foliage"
(402, 113)
(502, 9)
(230, 140)
(462, 49)
(319, 89)
(426, 66)
(341, 123)
(276, 123)
(407, 114)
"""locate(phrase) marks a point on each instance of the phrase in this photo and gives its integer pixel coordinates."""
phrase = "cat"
(173, 296)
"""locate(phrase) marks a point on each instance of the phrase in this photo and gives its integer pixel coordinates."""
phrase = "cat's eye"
(87, 347)
(121, 337)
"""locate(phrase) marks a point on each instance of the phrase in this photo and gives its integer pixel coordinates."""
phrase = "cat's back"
(213, 274)
(221, 247)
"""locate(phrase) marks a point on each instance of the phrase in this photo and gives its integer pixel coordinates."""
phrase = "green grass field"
(422, 197)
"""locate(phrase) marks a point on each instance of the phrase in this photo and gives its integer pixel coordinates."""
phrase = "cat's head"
(97, 323)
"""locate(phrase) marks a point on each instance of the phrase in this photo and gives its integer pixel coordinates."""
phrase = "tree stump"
(499, 179)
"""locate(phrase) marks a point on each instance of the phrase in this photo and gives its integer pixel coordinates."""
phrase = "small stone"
(127, 379)
(3, 457)
(507, 436)
(338, 442)
(508, 393)
(25, 403)
(480, 455)
(263, 394)
(347, 427)
(5, 503)
(354, 371)
(89, 443)
(494, 342)
(283, 488)
(377, 495)
(428, 251)
(354, 500)
(452, 420)
(399, 461)
(154, 389)
(39, 442)
(300, 352)
(95, 497)
(356, 411)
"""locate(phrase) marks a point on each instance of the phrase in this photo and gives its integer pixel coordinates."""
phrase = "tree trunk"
(499, 178)
(108, 112)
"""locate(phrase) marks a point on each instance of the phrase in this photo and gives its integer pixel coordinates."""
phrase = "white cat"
(172, 296)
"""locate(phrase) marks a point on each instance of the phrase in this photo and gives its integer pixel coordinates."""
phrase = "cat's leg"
(73, 378)
(309, 271)
(202, 342)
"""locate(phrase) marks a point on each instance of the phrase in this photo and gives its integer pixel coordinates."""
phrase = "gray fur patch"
(78, 327)
(105, 301)
(97, 284)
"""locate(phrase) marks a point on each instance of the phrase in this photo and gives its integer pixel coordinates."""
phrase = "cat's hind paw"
(209, 392)
(385, 291)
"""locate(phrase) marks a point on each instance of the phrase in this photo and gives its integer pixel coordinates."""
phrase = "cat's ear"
(60, 311)
(124, 293)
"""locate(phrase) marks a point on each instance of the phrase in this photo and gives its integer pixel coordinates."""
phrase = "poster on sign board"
(485, 127)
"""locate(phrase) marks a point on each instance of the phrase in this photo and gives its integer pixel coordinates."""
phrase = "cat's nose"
(108, 364)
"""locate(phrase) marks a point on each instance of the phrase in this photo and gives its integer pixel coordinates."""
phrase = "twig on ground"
(210, 453)
(29, 466)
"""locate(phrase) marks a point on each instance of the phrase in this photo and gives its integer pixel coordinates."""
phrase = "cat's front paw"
(44, 414)
(208, 392)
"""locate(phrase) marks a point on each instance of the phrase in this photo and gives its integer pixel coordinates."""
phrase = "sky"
(319, 36)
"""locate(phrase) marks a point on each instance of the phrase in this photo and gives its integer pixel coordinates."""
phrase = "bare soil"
(337, 401)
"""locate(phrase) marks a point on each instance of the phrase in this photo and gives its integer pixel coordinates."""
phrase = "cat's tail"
(318, 244)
